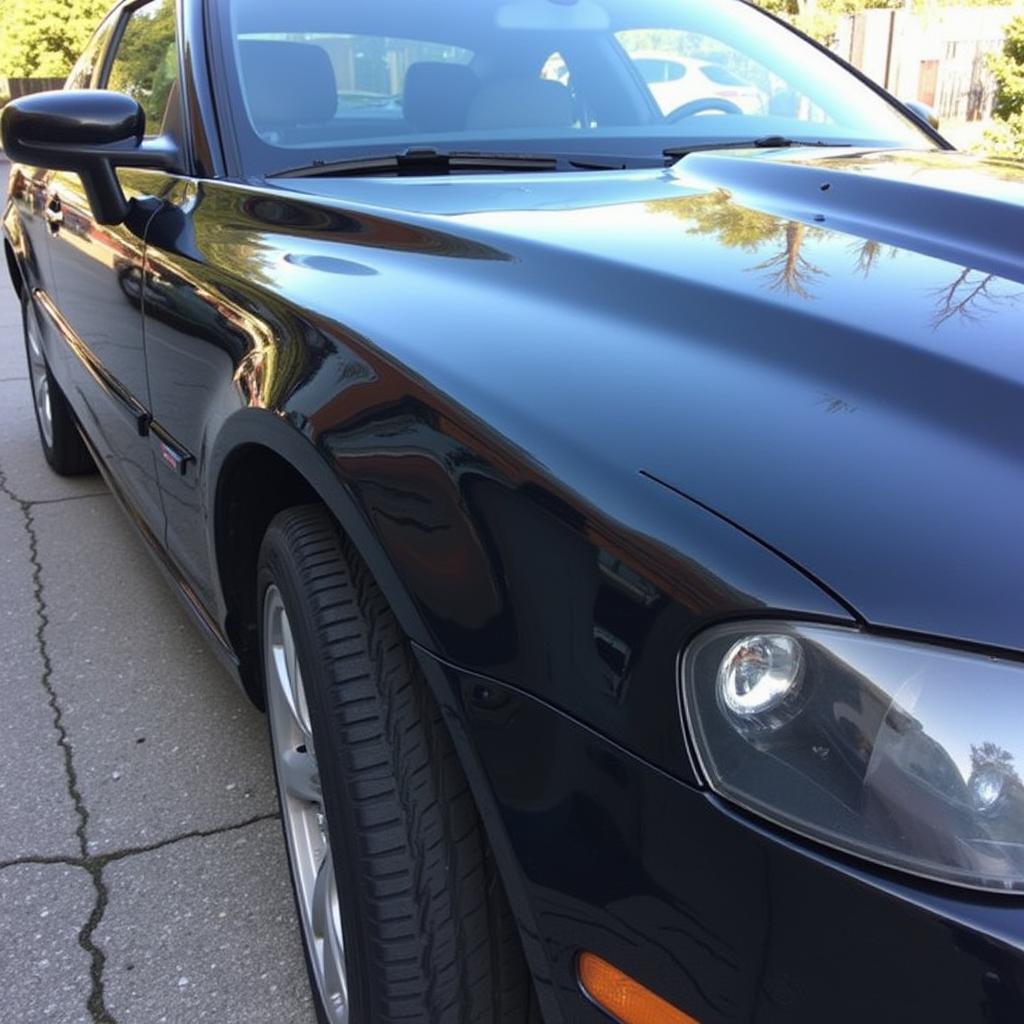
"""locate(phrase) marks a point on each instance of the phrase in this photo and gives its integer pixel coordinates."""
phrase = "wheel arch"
(261, 465)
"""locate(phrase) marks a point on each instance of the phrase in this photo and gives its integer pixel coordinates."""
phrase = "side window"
(86, 67)
(146, 61)
(656, 70)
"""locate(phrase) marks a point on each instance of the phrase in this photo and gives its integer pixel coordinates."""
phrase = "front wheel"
(62, 444)
(401, 912)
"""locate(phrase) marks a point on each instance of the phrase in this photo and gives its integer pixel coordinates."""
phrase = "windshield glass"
(328, 80)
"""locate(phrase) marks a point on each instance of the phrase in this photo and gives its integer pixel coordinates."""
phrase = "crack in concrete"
(95, 863)
(31, 503)
(98, 861)
(61, 501)
(97, 958)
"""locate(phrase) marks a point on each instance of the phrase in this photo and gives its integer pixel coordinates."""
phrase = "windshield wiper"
(422, 162)
(765, 142)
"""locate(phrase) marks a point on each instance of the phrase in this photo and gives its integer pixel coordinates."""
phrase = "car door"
(189, 362)
(98, 272)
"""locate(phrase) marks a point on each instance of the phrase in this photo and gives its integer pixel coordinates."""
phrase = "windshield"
(328, 80)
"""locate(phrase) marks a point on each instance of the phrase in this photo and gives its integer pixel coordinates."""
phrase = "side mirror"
(923, 113)
(87, 131)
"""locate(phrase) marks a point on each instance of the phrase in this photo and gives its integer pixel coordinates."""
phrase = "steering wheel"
(712, 103)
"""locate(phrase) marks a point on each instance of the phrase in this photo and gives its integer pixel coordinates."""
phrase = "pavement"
(142, 870)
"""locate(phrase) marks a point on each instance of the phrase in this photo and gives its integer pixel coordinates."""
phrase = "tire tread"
(439, 937)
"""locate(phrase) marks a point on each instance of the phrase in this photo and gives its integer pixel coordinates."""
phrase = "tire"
(418, 924)
(62, 444)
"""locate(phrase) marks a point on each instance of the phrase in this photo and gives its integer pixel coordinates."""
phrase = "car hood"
(825, 348)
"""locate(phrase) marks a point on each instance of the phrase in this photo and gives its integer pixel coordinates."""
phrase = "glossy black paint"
(50, 123)
(726, 920)
(569, 421)
(89, 132)
(97, 273)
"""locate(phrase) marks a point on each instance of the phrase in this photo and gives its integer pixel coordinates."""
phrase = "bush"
(43, 38)
(1007, 138)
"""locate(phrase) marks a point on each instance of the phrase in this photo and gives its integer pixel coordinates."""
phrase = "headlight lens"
(759, 676)
(901, 753)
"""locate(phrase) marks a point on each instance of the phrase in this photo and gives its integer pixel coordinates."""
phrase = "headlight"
(902, 753)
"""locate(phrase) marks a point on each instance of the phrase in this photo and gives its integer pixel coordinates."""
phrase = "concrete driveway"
(142, 870)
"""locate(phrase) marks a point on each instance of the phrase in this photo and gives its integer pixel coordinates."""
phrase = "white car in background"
(675, 81)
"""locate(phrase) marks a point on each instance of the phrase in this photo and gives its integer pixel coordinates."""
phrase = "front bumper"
(722, 917)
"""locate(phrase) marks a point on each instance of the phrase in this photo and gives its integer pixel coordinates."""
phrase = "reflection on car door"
(98, 273)
(197, 338)
(31, 191)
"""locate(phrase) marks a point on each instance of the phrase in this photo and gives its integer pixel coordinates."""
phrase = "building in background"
(937, 56)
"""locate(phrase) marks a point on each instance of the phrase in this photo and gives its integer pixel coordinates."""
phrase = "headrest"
(522, 103)
(438, 95)
(287, 84)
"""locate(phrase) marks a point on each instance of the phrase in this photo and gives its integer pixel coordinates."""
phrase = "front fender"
(249, 428)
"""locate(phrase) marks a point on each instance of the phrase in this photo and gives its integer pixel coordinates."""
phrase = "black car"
(616, 511)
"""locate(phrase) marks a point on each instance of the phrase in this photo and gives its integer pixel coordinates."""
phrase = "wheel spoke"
(299, 775)
(318, 915)
(41, 396)
(326, 926)
(300, 708)
(291, 665)
(292, 681)
(35, 350)
(335, 981)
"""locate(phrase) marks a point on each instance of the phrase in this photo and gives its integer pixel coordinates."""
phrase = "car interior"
(464, 75)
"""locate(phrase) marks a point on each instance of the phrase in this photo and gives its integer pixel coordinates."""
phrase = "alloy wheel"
(302, 808)
(40, 382)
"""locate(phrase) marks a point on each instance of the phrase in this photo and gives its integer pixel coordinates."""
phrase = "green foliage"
(43, 38)
(820, 18)
(1008, 69)
(146, 64)
(1007, 138)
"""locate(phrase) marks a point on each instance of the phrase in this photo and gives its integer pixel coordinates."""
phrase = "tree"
(1008, 69)
(43, 38)
(820, 18)
(786, 268)
(146, 65)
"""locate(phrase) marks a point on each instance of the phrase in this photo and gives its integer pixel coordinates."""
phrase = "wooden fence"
(25, 86)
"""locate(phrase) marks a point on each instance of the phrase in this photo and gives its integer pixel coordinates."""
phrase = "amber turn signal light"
(625, 999)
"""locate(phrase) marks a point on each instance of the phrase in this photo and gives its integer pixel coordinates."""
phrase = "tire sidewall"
(276, 568)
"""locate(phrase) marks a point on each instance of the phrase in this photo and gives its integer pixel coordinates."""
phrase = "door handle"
(54, 213)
